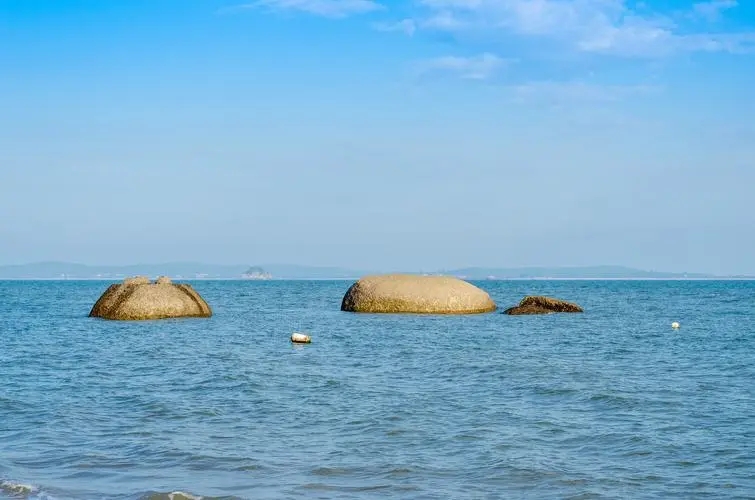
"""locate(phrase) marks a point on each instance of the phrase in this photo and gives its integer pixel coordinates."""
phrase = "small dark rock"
(543, 305)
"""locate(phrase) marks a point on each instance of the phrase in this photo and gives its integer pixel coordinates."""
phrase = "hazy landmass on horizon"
(198, 270)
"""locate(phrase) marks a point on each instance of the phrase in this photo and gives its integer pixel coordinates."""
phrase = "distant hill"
(591, 272)
(288, 271)
(67, 270)
(177, 270)
(196, 270)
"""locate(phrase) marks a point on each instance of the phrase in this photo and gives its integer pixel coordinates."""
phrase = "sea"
(612, 403)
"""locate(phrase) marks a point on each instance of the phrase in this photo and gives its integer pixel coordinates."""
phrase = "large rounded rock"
(137, 298)
(543, 305)
(406, 293)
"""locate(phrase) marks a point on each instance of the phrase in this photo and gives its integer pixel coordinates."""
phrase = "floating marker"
(300, 338)
(675, 325)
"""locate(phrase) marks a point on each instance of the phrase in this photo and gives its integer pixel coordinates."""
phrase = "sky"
(379, 134)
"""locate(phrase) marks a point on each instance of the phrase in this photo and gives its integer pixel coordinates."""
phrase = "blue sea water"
(611, 403)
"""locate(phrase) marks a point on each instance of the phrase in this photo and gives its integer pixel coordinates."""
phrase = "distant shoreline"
(198, 271)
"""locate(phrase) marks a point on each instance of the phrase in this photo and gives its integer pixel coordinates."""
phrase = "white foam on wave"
(14, 490)
(180, 495)
(174, 495)
(17, 489)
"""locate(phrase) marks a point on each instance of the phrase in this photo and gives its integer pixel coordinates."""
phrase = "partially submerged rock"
(137, 299)
(407, 293)
(543, 305)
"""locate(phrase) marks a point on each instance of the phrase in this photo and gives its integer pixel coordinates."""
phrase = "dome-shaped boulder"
(136, 299)
(407, 293)
(543, 305)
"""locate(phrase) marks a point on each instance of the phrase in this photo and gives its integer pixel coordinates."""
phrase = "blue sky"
(379, 135)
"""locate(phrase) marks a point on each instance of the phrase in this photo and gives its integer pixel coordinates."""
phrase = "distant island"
(200, 271)
(256, 273)
(174, 270)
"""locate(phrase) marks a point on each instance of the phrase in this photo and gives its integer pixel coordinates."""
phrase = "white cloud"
(596, 26)
(479, 67)
(407, 26)
(555, 92)
(325, 8)
(636, 37)
(443, 20)
(735, 43)
(712, 10)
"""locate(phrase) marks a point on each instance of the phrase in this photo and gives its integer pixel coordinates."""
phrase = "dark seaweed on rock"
(543, 305)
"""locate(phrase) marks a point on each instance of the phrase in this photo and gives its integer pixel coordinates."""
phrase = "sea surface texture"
(612, 403)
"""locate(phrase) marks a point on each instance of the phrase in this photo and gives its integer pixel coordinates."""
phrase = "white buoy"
(675, 325)
(300, 338)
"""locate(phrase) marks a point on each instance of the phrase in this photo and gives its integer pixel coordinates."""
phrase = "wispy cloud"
(556, 92)
(443, 20)
(734, 43)
(407, 26)
(594, 26)
(712, 10)
(480, 67)
(325, 8)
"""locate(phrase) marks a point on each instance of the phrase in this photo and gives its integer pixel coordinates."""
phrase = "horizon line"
(533, 278)
(106, 272)
(443, 268)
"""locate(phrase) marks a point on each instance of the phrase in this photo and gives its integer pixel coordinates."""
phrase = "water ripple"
(608, 404)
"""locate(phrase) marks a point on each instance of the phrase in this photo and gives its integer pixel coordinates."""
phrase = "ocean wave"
(17, 490)
(173, 495)
(181, 495)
